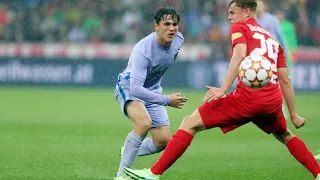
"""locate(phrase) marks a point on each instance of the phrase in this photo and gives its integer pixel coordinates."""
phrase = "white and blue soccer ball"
(255, 71)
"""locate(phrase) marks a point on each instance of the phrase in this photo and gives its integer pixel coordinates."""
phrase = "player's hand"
(213, 93)
(298, 121)
(177, 101)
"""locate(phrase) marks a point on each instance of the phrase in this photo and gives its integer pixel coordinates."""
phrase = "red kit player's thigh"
(271, 123)
(221, 113)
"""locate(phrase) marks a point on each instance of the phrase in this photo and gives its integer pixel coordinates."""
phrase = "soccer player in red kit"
(263, 106)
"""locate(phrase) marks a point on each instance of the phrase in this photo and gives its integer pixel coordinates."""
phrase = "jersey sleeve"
(281, 62)
(140, 65)
(137, 90)
(237, 35)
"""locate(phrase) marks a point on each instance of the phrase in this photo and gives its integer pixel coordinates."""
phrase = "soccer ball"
(255, 71)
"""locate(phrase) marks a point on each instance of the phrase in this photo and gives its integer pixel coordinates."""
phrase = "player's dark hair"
(251, 4)
(161, 13)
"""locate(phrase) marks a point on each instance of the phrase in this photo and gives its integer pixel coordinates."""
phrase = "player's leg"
(175, 148)
(276, 124)
(137, 112)
(179, 142)
(289, 68)
(300, 151)
(160, 136)
(160, 131)
(209, 115)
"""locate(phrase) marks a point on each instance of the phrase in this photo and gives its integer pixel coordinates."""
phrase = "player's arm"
(239, 48)
(239, 53)
(137, 90)
(287, 91)
(138, 75)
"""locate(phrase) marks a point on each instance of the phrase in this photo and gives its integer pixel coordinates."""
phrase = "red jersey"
(259, 42)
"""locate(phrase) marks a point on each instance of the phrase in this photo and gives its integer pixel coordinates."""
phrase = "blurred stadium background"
(59, 61)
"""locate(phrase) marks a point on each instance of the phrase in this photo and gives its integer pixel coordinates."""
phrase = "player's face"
(238, 14)
(166, 29)
(280, 15)
(260, 6)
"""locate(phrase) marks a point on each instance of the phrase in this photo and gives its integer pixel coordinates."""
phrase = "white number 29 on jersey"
(269, 46)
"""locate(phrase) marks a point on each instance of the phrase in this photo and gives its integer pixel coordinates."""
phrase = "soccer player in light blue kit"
(271, 23)
(139, 92)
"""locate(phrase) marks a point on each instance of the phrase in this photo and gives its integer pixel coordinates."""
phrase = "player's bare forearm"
(287, 90)
(232, 73)
(239, 53)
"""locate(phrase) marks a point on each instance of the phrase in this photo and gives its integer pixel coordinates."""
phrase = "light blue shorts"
(158, 113)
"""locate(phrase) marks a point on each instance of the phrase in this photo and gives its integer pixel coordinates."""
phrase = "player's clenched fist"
(177, 101)
(298, 121)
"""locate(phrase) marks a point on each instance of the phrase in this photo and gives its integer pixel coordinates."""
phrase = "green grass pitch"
(76, 133)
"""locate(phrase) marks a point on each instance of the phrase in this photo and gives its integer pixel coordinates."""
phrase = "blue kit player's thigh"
(158, 114)
(121, 93)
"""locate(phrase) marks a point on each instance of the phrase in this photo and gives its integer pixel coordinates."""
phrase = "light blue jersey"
(271, 23)
(141, 80)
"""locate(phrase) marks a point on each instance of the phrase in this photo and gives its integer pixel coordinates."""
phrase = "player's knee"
(285, 137)
(187, 123)
(191, 124)
(143, 127)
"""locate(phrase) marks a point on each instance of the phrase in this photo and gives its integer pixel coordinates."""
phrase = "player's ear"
(156, 26)
(248, 12)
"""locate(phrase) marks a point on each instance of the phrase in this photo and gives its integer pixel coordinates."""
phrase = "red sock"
(300, 151)
(175, 148)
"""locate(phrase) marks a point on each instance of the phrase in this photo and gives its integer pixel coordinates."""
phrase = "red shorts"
(228, 113)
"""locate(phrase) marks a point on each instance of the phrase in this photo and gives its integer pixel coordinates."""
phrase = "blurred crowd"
(127, 21)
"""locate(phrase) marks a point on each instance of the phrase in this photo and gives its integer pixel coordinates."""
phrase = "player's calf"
(161, 136)
(284, 137)
(161, 142)
(300, 151)
(142, 124)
